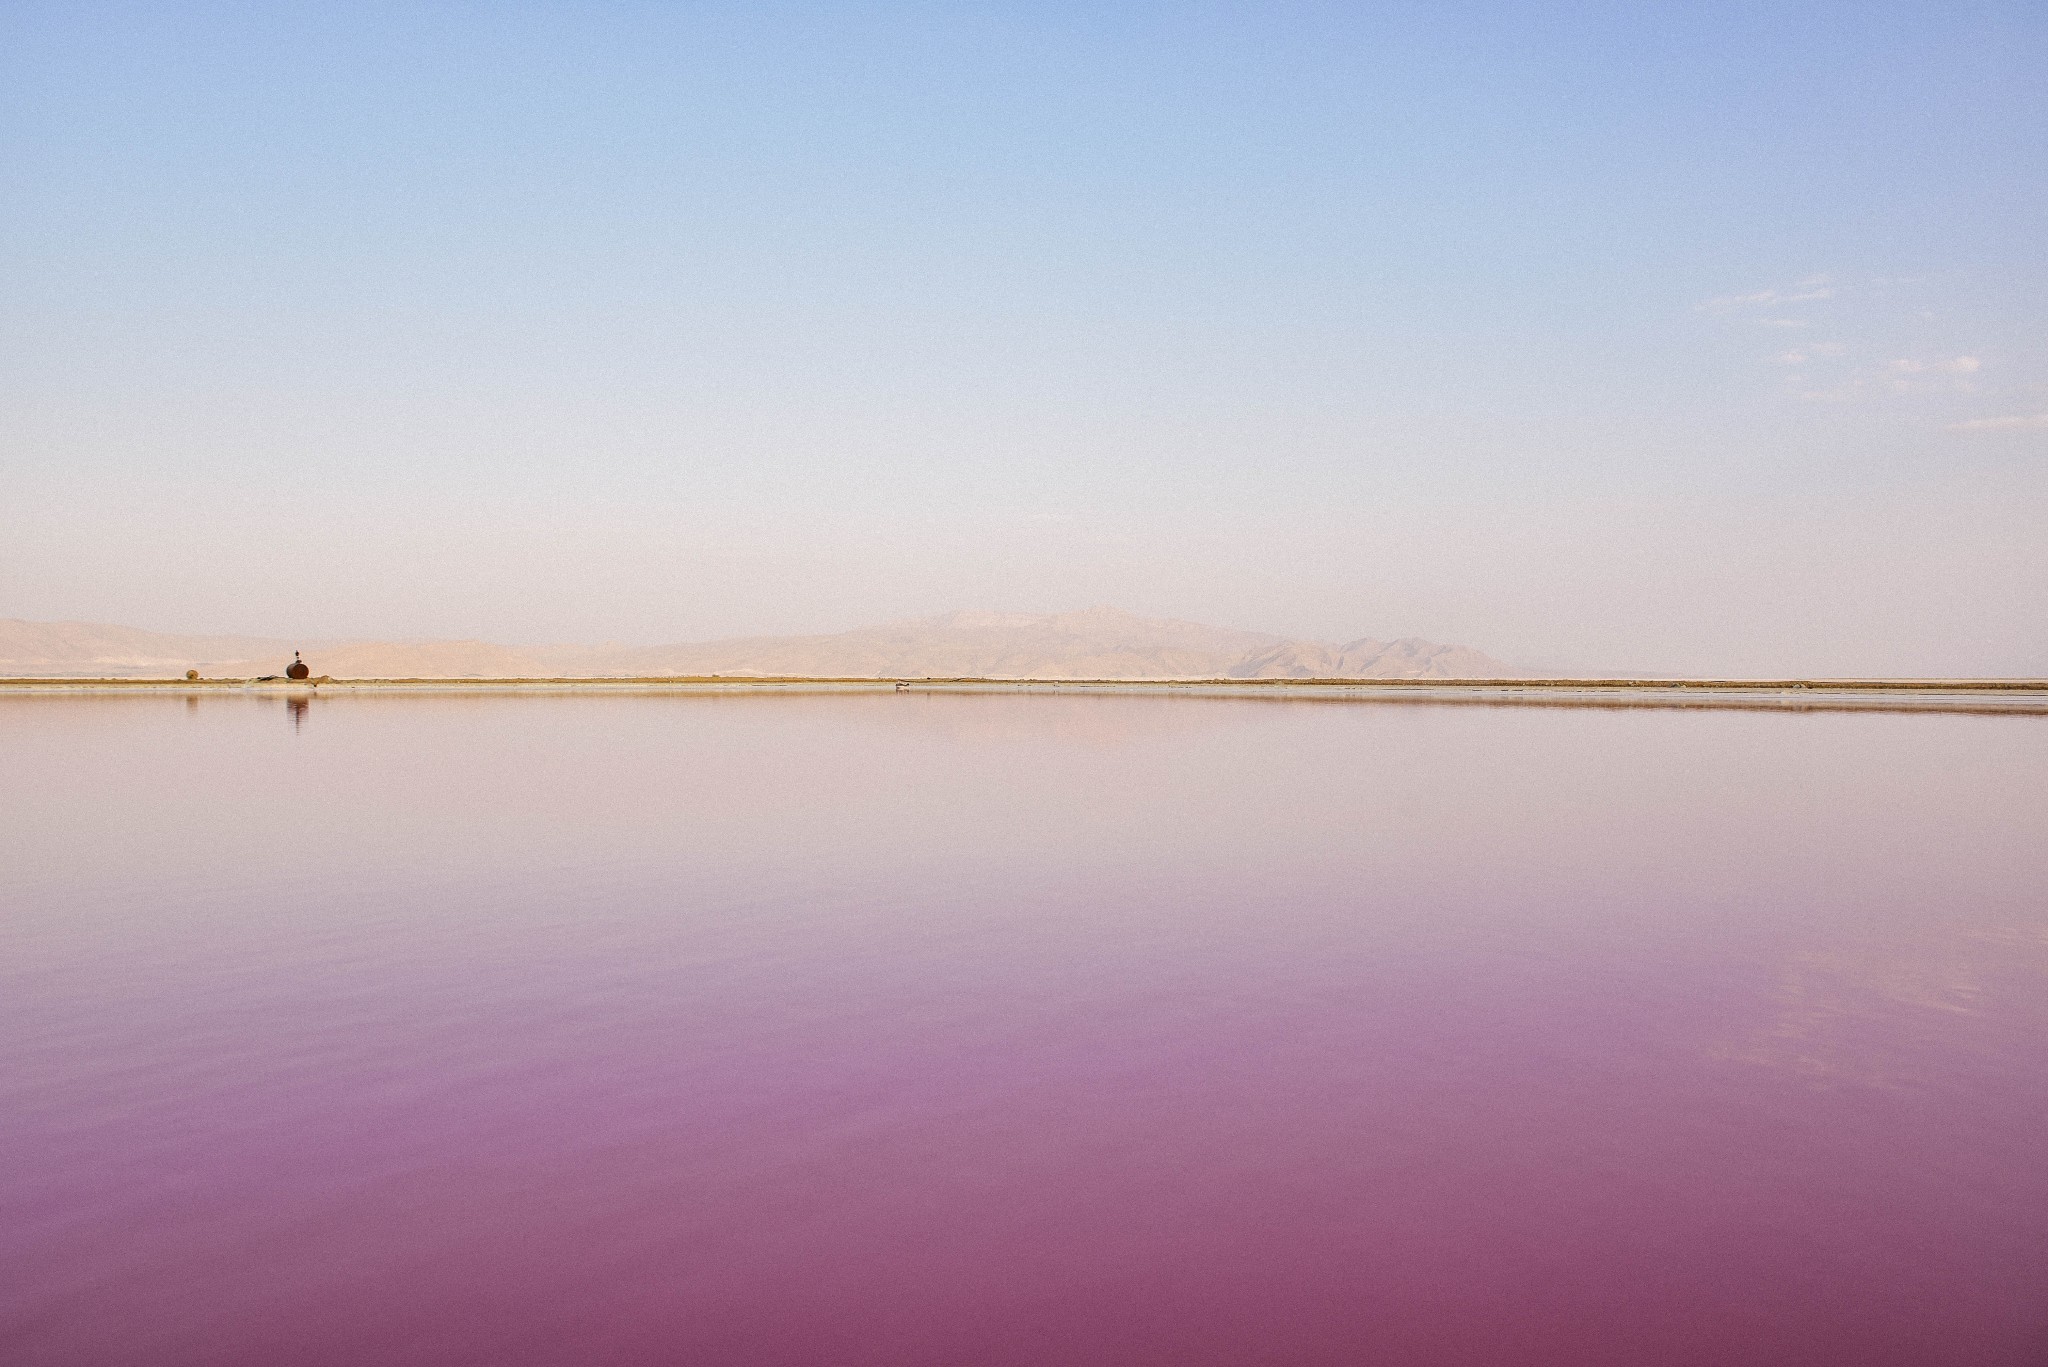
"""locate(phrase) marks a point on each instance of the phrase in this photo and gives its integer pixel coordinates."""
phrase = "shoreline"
(2000, 696)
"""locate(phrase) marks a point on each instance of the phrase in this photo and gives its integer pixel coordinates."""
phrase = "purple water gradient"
(959, 1030)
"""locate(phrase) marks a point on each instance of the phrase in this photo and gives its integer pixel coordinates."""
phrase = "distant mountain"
(1099, 643)
(91, 649)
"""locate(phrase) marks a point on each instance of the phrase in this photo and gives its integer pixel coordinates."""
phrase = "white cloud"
(1933, 377)
(1807, 290)
(1792, 358)
(2032, 422)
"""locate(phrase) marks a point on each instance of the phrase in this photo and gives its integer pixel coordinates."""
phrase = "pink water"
(961, 1030)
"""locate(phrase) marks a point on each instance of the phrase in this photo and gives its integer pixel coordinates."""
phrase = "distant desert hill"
(1099, 643)
(91, 649)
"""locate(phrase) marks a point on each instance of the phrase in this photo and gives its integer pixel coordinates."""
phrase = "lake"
(930, 1029)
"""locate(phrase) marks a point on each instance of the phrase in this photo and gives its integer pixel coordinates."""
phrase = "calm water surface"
(926, 1029)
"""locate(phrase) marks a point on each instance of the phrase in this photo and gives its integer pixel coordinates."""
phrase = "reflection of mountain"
(1100, 643)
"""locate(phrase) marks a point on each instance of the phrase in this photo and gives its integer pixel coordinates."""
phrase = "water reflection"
(1010, 1029)
(1900, 1013)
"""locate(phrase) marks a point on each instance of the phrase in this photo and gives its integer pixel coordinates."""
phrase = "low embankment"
(1952, 695)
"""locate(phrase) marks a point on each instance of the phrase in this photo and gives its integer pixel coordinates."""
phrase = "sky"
(1703, 338)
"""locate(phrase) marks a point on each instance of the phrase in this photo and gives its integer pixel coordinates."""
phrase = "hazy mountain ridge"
(30, 647)
(1098, 643)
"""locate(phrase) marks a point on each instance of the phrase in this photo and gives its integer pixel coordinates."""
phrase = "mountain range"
(1098, 643)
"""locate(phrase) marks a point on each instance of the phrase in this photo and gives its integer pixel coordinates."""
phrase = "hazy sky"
(1704, 337)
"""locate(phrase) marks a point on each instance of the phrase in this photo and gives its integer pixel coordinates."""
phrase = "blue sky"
(1587, 334)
